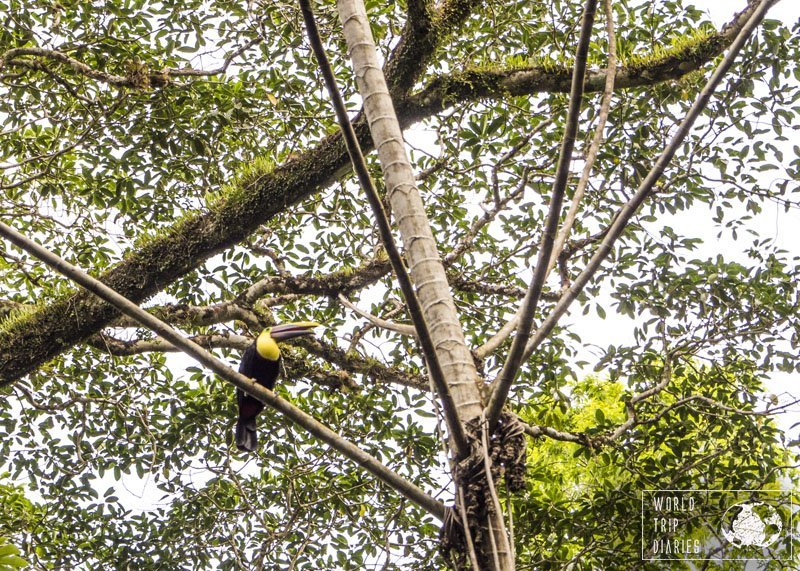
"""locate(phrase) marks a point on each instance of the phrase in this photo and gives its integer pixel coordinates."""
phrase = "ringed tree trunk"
(492, 546)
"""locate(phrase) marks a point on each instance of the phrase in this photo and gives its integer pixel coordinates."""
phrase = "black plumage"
(261, 362)
(265, 372)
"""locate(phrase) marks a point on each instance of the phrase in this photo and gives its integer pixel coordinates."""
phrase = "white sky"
(773, 222)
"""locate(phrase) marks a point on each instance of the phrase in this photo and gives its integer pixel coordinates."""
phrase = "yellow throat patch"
(266, 346)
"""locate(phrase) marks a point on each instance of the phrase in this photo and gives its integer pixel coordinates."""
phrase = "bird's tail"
(246, 437)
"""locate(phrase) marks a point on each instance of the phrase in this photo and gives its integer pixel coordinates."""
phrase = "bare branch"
(536, 431)
(503, 382)
(377, 321)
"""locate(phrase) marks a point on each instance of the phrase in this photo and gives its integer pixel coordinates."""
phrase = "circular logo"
(751, 524)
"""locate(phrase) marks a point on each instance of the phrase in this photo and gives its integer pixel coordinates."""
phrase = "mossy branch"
(34, 338)
(497, 81)
(251, 387)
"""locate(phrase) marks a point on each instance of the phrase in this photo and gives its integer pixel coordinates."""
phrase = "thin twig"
(488, 216)
(172, 71)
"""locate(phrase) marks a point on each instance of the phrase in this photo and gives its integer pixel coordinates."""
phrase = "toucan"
(261, 361)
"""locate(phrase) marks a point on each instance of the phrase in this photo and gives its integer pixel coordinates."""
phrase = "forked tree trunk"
(425, 265)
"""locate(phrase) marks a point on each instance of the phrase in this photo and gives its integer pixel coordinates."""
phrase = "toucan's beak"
(291, 330)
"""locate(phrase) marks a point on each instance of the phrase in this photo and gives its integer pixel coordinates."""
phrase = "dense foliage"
(230, 185)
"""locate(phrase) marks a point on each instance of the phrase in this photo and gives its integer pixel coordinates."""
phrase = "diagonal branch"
(647, 186)
(427, 26)
(412, 301)
(296, 415)
(488, 216)
(503, 383)
(331, 285)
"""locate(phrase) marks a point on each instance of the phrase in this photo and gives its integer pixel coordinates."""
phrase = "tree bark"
(425, 265)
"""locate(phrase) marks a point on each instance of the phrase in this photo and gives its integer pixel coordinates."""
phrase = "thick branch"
(471, 85)
(67, 321)
(424, 31)
(49, 331)
(251, 387)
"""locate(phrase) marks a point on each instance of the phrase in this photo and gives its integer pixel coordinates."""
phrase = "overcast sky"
(773, 222)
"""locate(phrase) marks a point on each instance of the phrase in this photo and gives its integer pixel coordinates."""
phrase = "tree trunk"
(425, 265)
